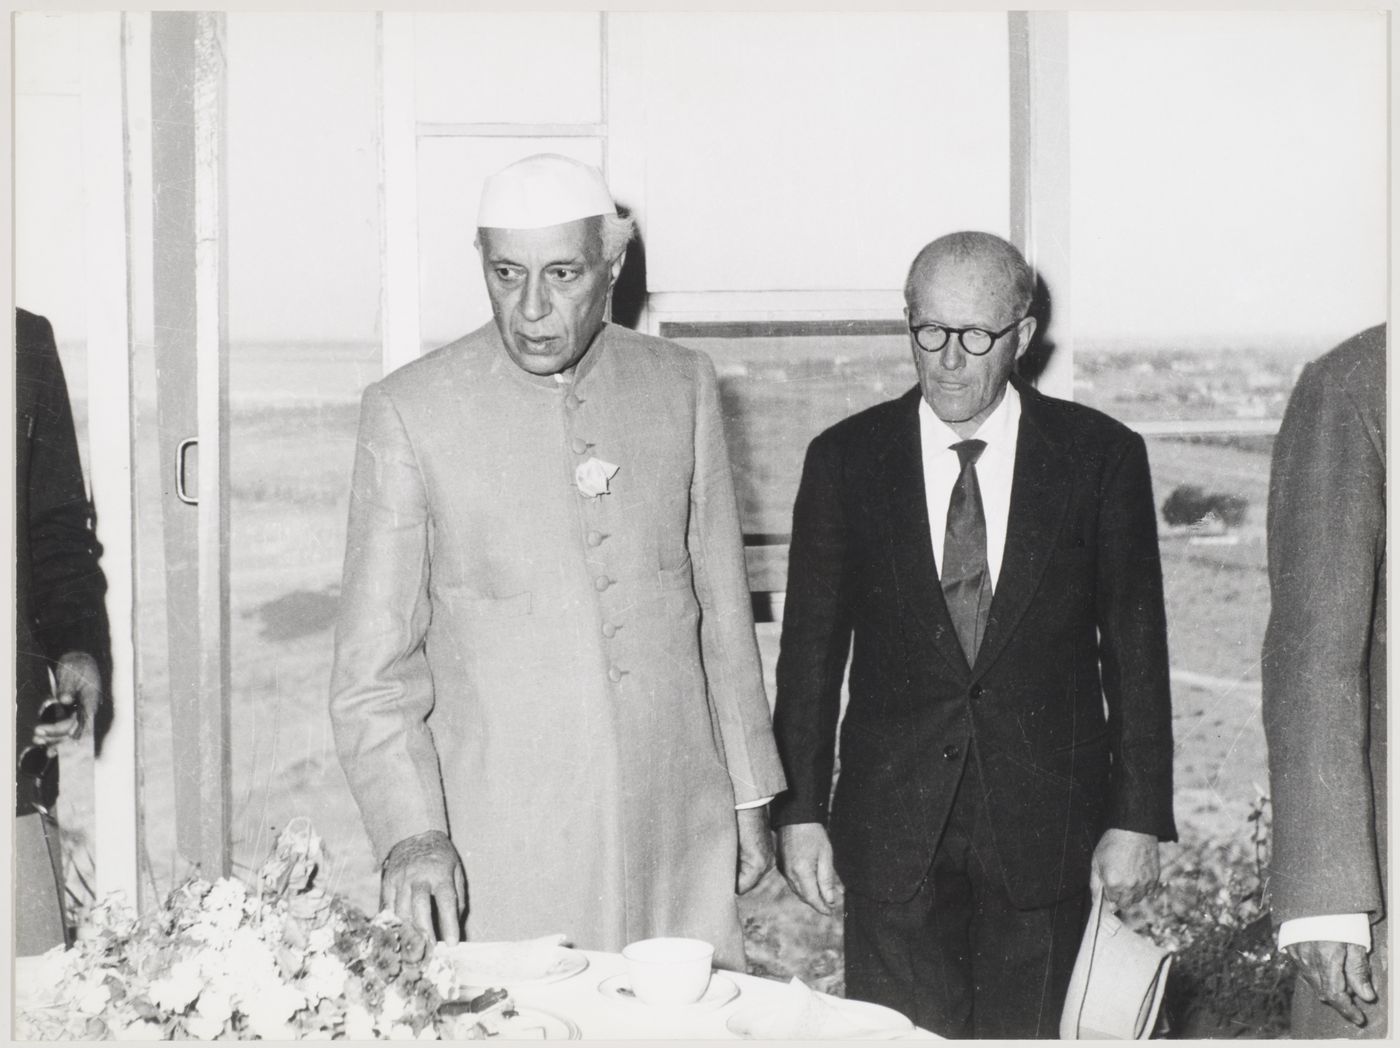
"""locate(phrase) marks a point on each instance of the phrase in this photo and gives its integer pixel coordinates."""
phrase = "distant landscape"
(294, 412)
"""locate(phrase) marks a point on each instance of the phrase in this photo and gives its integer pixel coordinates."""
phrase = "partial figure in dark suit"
(61, 621)
(1324, 690)
(994, 553)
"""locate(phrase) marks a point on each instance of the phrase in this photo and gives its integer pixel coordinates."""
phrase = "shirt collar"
(998, 429)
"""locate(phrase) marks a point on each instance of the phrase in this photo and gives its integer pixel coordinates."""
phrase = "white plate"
(481, 966)
(532, 1024)
(878, 1023)
(721, 991)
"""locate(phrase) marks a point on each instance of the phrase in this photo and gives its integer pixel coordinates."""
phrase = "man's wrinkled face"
(964, 389)
(549, 291)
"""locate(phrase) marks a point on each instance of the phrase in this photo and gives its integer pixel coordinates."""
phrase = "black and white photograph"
(664, 524)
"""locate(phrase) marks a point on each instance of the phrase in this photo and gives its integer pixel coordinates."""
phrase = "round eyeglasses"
(931, 338)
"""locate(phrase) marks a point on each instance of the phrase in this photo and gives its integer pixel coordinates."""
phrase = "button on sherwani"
(568, 684)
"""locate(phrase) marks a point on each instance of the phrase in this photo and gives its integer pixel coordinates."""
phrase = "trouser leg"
(38, 918)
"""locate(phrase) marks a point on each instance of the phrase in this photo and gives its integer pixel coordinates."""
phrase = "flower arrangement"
(282, 958)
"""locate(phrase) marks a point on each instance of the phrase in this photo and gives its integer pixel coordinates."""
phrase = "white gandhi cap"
(543, 190)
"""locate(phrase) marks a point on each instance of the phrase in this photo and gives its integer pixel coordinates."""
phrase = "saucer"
(721, 991)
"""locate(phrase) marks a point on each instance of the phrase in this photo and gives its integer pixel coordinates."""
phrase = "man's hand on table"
(755, 846)
(422, 873)
(1336, 972)
(804, 856)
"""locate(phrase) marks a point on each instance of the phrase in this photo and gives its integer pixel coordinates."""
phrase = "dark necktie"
(966, 581)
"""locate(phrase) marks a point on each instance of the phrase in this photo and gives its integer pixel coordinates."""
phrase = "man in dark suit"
(60, 619)
(994, 553)
(1324, 682)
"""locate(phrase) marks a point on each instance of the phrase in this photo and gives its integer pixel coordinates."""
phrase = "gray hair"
(617, 232)
(1017, 277)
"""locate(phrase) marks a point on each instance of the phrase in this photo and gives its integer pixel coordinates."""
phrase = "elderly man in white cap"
(547, 694)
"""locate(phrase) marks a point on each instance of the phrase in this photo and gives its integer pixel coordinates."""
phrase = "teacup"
(668, 970)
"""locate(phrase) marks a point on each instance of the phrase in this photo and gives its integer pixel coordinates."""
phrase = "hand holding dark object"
(755, 846)
(422, 874)
(1126, 864)
(1336, 972)
(77, 687)
(805, 857)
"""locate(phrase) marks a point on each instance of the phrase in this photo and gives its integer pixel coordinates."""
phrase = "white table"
(600, 1016)
(596, 1015)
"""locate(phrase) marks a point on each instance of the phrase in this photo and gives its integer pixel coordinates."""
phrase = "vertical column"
(1040, 174)
(116, 822)
(189, 291)
(397, 128)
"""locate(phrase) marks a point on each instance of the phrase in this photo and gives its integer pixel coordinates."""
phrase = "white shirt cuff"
(1329, 927)
(753, 804)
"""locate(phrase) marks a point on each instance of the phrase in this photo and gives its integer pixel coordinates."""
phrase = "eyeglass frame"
(949, 332)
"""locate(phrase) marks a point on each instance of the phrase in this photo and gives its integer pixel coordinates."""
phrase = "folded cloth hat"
(546, 189)
(1115, 990)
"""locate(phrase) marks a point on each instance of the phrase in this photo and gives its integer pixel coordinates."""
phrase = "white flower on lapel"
(592, 477)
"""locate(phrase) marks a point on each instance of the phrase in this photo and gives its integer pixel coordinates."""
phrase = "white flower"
(270, 1010)
(401, 1032)
(174, 991)
(320, 940)
(202, 1027)
(215, 1004)
(325, 977)
(359, 1026)
(592, 477)
(429, 1033)
(394, 1004)
(92, 996)
(440, 973)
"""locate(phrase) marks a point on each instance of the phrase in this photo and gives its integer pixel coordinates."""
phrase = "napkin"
(503, 962)
(802, 1012)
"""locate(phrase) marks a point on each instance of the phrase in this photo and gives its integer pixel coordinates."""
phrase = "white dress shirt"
(994, 471)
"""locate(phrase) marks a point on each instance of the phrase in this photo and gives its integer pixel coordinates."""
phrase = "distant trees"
(1189, 504)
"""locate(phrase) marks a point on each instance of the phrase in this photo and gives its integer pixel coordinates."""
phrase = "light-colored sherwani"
(569, 686)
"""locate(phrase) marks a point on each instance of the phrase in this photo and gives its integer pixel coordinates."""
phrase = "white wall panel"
(508, 68)
(811, 151)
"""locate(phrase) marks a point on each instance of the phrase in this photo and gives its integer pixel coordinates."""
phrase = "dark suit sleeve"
(1326, 535)
(816, 639)
(1133, 647)
(67, 586)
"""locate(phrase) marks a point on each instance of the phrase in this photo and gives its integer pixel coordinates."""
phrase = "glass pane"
(537, 68)
(781, 153)
(303, 345)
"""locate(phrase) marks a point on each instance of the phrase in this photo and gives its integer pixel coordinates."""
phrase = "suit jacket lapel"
(1040, 492)
(920, 598)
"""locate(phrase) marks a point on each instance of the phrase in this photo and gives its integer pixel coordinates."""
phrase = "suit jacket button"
(609, 630)
(572, 402)
(594, 538)
(614, 674)
(579, 445)
(975, 691)
(601, 583)
(950, 752)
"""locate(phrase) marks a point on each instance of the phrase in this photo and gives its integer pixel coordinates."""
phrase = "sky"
(1227, 176)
